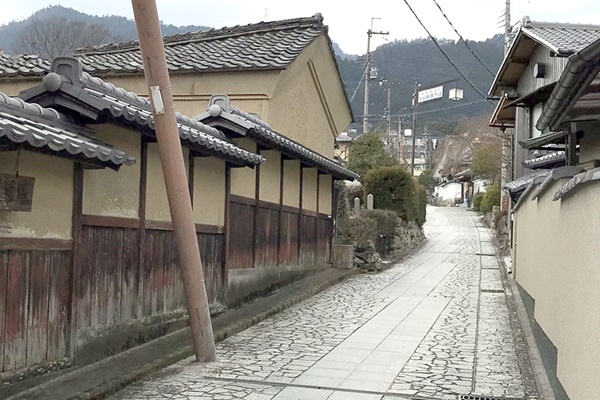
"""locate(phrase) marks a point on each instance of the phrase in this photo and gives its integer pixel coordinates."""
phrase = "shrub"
(421, 193)
(491, 198)
(477, 199)
(393, 188)
(360, 230)
(386, 223)
(341, 219)
(354, 190)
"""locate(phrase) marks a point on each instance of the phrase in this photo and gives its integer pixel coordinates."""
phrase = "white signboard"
(431, 94)
(408, 132)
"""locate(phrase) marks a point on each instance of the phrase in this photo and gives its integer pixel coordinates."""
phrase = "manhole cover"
(477, 397)
(489, 291)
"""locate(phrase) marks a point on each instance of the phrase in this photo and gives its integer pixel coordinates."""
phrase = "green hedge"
(477, 199)
(421, 204)
(491, 198)
(393, 188)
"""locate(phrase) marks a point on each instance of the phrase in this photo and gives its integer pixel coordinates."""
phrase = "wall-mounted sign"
(431, 94)
(16, 192)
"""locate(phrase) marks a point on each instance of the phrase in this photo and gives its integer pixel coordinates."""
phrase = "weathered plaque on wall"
(16, 192)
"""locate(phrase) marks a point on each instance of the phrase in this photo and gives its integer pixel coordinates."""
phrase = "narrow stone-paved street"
(437, 325)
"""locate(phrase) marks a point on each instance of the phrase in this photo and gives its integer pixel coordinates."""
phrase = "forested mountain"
(403, 63)
(120, 28)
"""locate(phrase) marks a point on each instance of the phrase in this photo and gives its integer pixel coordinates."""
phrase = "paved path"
(435, 326)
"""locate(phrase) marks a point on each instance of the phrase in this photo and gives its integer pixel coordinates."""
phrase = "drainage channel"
(478, 397)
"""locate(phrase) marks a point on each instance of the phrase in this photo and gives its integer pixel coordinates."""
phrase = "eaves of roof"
(551, 159)
(582, 68)
(39, 129)
(559, 38)
(540, 141)
(262, 132)
(105, 99)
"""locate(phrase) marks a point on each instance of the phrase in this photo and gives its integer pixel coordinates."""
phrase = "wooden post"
(300, 211)
(142, 218)
(226, 222)
(173, 165)
(281, 183)
(76, 233)
(572, 144)
(256, 208)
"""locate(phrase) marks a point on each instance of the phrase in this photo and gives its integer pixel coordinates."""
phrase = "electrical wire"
(442, 109)
(464, 41)
(359, 84)
(444, 53)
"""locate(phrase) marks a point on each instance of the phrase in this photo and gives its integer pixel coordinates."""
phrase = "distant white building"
(448, 191)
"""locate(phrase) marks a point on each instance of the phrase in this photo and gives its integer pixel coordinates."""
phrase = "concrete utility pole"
(414, 127)
(370, 33)
(171, 156)
(506, 173)
(389, 115)
(506, 26)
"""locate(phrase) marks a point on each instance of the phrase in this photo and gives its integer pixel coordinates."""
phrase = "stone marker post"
(356, 206)
(369, 201)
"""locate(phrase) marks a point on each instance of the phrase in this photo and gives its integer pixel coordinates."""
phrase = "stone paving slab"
(432, 327)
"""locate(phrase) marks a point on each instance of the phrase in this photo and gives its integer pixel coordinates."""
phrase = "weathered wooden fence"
(280, 235)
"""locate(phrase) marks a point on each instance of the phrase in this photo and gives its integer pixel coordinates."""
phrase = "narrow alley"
(438, 325)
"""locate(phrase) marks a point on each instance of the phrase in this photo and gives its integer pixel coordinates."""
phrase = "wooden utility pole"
(414, 127)
(370, 33)
(171, 156)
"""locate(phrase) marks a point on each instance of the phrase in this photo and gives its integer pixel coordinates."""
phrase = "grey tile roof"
(521, 183)
(557, 157)
(560, 37)
(22, 65)
(130, 108)
(221, 107)
(36, 127)
(261, 46)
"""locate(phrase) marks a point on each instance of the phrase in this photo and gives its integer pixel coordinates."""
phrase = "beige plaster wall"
(309, 189)
(557, 264)
(114, 193)
(50, 215)
(325, 195)
(309, 104)
(13, 87)
(157, 203)
(249, 91)
(291, 183)
(243, 180)
(270, 175)
(209, 191)
(343, 151)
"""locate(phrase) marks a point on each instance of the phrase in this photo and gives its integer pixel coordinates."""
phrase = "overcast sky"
(348, 21)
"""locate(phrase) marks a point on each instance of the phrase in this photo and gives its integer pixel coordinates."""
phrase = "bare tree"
(53, 37)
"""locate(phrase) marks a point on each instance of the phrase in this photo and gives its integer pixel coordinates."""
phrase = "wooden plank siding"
(275, 241)
(34, 307)
(115, 287)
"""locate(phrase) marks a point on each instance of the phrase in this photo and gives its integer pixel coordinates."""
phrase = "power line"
(464, 41)
(359, 83)
(443, 109)
(444, 53)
